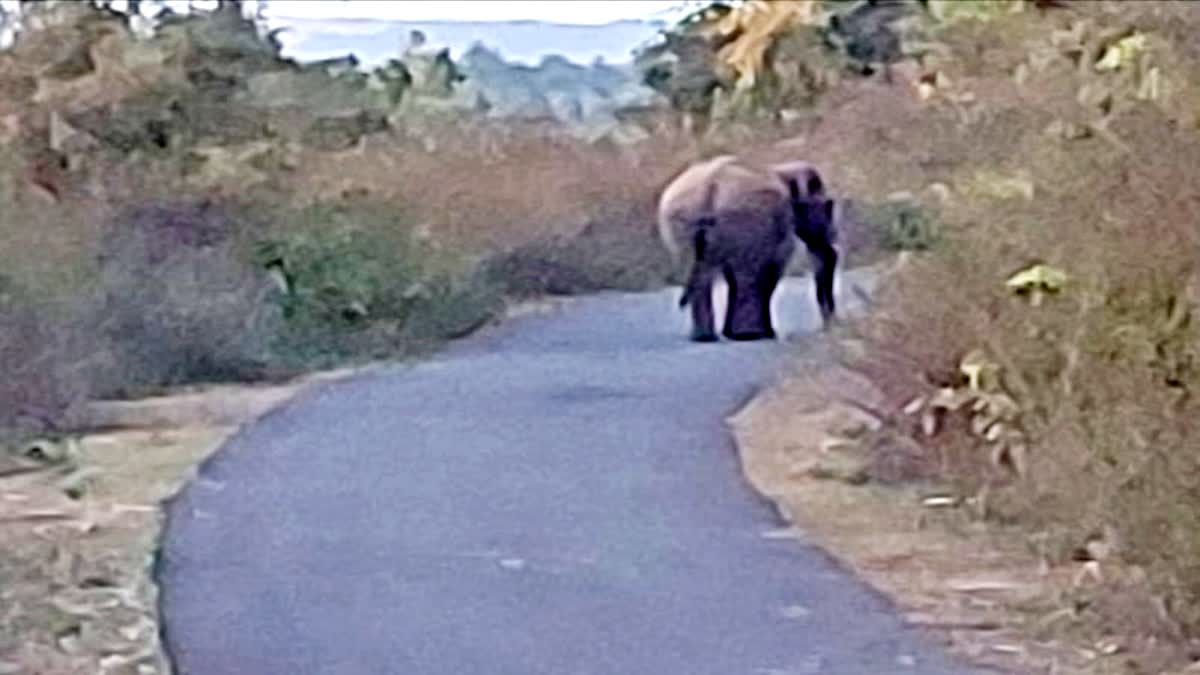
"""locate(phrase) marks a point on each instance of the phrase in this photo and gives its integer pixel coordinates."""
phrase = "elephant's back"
(747, 191)
(690, 189)
(687, 199)
(720, 189)
(719, 184)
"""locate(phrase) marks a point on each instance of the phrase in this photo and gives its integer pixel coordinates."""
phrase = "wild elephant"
(741, 221)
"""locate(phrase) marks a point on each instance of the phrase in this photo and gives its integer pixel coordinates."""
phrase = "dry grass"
(486, 188)
(77, 594)
(1103, 371)
(974, 588)
(81, 522)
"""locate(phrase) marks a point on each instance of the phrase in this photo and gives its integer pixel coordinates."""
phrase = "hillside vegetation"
(189, 206)
(1038, 341)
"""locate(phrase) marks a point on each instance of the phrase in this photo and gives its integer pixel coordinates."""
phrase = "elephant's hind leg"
(698, 293)
(747, 316)
(732, 298)
(698, 290)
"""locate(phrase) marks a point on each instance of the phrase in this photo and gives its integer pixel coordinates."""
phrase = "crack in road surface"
(558, 495)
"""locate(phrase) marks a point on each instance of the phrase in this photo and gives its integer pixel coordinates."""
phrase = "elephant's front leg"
(768, 281)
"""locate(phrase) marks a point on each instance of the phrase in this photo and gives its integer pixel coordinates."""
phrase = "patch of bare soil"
(814, 446)
(79, 536)
(81, 519)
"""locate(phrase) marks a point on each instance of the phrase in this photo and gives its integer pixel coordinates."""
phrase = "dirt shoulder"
(81, 519)
(978, 587)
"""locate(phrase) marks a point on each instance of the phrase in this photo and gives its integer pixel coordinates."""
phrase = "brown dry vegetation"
(394, 233)
(144, 211)
(141, 176)
(1045, 159)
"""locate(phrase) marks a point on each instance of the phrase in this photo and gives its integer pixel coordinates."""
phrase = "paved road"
(556, 496)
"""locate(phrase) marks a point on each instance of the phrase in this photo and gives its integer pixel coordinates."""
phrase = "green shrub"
(617, 250)
(360, 284)
(179, 302)
(904, 225)
(1103, 368)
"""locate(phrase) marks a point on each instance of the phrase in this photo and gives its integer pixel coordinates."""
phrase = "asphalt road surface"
(557, 495)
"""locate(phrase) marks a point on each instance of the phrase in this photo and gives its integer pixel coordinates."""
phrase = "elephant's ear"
(793, 187)
(815, 185)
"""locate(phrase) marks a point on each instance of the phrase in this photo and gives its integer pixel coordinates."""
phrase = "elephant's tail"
(688, 195)
(700, 247)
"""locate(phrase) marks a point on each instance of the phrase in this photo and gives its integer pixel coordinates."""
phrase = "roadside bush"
(903, 225)
(191, 291)
(1102, 368)
(183, 291)
(44, 365)
(178, 301)
(48, 348)
(361, 284)
(1061, 277)
(617, 250)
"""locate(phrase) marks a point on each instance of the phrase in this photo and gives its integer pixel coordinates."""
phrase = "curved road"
(558, 495)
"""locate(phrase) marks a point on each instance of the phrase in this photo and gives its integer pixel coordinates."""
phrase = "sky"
(582, 12)
(325, 28)
(586, 12)
(328, 28)
(555, 11)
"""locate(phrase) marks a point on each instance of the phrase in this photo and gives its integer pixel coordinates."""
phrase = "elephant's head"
(812, 207)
